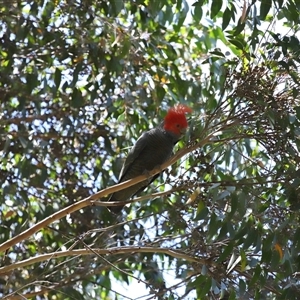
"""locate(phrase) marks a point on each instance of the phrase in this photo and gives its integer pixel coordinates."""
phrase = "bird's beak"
(183, 131)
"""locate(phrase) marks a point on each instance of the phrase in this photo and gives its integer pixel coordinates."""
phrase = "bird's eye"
(177, 125)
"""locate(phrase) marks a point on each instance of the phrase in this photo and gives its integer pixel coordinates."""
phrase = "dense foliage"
(81, 80)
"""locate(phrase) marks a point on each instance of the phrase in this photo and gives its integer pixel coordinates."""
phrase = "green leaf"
(57, 78)
(7, 144)
(202, 214)
(213, 227)
(239, 28)
(77, 99)
(126, 45)
(232, 296)
(23, 141)
(217, 52)
(31, 81)
(242, 203)
(265, 7)
(250, 239)
(275, 261)
(226, 18)
(206, 287)
(198, 12)
(256, 275)
(242, 287)
(117, 6)
(243, 230)
(183, 10)
(224, 232)
(216, 6)
(238, 43)
(279, 2)
(297, 108)
(226, 252)
(243, 260)
(267, 249)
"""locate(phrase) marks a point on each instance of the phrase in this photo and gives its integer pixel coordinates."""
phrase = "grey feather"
(151, 150)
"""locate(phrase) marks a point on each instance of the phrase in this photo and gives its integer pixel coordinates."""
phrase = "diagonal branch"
(109, 251)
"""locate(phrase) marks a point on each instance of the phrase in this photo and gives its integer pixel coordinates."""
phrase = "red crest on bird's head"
(175, 120)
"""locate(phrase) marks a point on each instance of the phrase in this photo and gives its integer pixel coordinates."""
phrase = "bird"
(151, 150)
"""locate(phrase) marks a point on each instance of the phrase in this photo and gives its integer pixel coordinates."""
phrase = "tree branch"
(109, 251)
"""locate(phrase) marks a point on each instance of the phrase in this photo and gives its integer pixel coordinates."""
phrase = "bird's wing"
(136, 150)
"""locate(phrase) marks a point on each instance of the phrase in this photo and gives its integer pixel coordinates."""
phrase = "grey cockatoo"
(151, 150)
